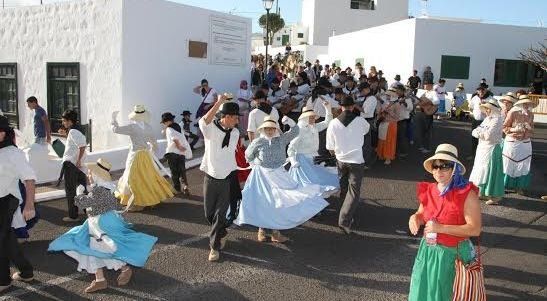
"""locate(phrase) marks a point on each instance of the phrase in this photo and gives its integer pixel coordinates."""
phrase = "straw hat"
(228, 96)
(447, 152)
(524, 99)
(307, 112)
(100, 169)
(491, 104)
(393, 93)
(510, 96)
(139, 114)
(269, 122)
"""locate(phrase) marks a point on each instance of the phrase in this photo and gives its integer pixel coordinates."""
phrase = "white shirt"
(218, 162)
(347, 142)
(209, 98)
(354, 91)
(474, 106)
(440, 91)
(404, 112)
(318, 106)
(14, 167)
(303, 89)
(369, 107)
(256, 118)
(307, 141)
(172, 135)
(74, 141)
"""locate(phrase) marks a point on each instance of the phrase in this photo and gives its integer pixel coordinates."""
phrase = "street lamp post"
(267, 6)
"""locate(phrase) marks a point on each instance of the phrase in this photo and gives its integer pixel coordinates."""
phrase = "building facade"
(99, 56)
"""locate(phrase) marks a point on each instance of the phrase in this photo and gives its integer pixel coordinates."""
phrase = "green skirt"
(521, 182)
(433, 272)
(494, 186)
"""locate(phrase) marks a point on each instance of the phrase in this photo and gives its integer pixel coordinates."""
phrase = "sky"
(514, 12)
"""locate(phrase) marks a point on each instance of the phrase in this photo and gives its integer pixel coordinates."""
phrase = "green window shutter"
(456, 67)
(360, 60)
(512, 73)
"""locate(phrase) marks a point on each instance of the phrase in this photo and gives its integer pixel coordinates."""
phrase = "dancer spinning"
(304, 147)
(105, 240)
(271, 199)
(141, 178)
(487, 171)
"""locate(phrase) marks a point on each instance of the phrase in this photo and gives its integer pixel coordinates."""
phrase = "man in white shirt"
(345, 136)
(219, 164)
(440, 89)
(73, 169)
(406, 106)
(13, 168)
(256, 116)
(370, 103)
(478, 116)
(177, 151)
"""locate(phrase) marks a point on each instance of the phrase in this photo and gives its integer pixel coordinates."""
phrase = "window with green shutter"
(456, 67)
(513, 73)
(360, 61)
(63, 85)
(8, 93)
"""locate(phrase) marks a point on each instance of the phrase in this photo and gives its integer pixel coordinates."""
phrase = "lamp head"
(268, 4)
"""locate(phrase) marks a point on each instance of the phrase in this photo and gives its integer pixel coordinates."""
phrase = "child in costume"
(105, 239)
(271, 198)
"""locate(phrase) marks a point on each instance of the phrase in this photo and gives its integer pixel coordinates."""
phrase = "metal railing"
(541, 100)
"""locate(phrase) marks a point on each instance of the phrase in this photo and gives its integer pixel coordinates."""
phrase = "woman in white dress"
(244, 98)
(487, 171)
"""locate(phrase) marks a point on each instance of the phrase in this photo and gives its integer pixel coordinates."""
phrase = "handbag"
(469, 279)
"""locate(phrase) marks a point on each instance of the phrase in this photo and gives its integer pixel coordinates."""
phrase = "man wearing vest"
(345, 136)
(219, 164)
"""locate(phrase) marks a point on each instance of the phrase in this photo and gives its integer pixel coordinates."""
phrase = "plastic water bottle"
(431, 238)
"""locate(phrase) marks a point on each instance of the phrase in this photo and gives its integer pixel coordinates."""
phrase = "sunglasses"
(443, 167)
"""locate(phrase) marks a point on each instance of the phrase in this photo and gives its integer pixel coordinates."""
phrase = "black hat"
(4, 123)
(324, 82)
(363, 85)
(186, 113)
(397, 77)
(167, 117)
(343, 73)
(230, 108)
(347, 101)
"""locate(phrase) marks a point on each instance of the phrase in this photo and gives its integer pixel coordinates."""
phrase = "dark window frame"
(362, 4)
(12, 116)
(526, 71)
(300, 35)
(447, 68)
(55, 121)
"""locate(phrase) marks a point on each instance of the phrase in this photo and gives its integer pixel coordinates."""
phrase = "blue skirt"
(132, 247)
(309, 174)
(273, 200)
(23, 231)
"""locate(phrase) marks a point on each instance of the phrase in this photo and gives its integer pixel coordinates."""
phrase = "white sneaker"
(214, 255)
(387, 162)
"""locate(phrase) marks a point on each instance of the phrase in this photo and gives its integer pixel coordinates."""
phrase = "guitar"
(423, 103)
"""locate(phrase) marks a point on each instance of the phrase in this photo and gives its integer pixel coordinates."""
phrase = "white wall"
(292, 31)
(87, 32)
(388, 47)
(324, 16)
(156, 68)
(483, 43)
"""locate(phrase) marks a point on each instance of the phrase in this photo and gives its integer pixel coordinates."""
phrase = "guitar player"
(426, 106)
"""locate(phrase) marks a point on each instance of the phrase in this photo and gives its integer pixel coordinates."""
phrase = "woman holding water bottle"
(450, 211)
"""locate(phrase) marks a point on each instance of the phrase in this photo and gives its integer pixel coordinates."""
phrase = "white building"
(326, 18)
(98, 56)
(293, 34)
(459, 51)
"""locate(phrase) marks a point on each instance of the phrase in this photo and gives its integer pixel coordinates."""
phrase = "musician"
(387, 129)
(425, 108)
(256, 117)
(340, 80)
(276, 94)
(406, 107)
(369, 108)
(350, 88)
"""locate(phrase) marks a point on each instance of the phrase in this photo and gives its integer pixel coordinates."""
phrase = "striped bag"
(469, 280)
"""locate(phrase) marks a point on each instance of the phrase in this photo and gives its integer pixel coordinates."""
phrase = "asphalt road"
(319, 263)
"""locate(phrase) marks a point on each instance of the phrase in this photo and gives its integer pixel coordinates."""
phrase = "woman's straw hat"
(269, 122)
(139, 114)
(491, 104)
(307, 112)
(447, 152)
(100, 169)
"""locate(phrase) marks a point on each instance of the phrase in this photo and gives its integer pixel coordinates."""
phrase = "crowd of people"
(273, 155)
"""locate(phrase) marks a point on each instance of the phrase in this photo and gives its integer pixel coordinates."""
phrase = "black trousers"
(424, 129)
(474, 141)
(402, 138)
(216, 195)
(74, 177)
(177, 165)
(368, 149)
(351, 176)
(194, 137)
(235, 197)
(10, 250)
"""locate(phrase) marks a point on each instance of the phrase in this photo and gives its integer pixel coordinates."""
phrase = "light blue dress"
(271, 199)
